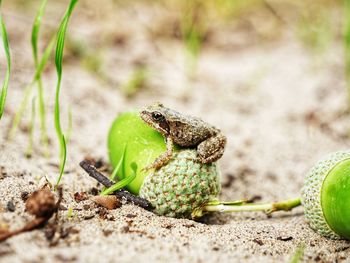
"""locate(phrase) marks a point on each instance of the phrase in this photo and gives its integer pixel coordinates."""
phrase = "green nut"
(182, 185)
(326, 196)
(143, 146)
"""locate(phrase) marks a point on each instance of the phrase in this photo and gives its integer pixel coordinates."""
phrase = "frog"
(185, 131)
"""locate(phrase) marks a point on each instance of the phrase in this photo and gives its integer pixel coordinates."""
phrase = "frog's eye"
(157, 116)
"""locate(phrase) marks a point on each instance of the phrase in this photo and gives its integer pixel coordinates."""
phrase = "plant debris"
(285, 238)
(24, 196)
(108, 201)
(122, 194)
(80, 196)
(42, 205)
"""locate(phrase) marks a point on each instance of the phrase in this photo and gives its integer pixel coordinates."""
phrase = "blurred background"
(143, 46)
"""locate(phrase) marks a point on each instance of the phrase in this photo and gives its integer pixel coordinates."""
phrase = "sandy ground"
(280, 109)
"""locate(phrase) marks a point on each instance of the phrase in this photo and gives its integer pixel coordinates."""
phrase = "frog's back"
(188, 131)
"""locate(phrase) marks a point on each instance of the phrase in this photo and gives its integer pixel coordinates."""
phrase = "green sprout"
(120, 164)
(29, 150)
(29, 88)
(315, 31)
(34, 40)
(5, 42)
(39, 67)
(70, 212)
(122, 183)
(193, 31)
(298, 254)
(58, 62)
(136, 81)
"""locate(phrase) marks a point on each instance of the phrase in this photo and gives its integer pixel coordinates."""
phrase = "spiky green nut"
(182, 185)
(326, 196)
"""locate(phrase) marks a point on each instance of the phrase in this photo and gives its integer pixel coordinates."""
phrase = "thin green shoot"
(58, 62)
(41, 101)
(113, 176)
(27, 92)
(347, 46)
(29, 150)
(63, 160)
(298, 254)
(136, 81)
(193, 29)
(70, 125)
(124, 182)
(35, 32)
(314, 28)
(70, 212)
(5, 43)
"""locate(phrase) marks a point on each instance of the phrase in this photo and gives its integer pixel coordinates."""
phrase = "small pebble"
(11, 206)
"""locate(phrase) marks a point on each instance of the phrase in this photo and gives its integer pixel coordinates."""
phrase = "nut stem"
(241, 206)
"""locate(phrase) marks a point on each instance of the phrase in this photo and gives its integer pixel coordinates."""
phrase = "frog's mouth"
(161, 127)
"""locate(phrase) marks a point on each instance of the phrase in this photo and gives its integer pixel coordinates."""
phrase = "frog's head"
(155, 116)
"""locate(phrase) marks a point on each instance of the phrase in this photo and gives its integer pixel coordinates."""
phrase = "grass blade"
(122, 183)
(58, 62)
(41, 101)
(29, 150)
(18, 116)
(298, 254)
(63, 159)
(119, 165)
(29, 88)
(70, 125)
(35, 31)
(5, 42)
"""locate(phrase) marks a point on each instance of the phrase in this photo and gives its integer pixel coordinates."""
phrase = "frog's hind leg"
(211, 149)
(164, 158)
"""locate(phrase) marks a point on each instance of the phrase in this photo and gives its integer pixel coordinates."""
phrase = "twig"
(121, 193)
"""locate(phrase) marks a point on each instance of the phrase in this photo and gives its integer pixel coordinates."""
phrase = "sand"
(280, 108)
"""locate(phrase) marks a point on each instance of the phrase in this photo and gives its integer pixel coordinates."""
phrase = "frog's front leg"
(211, 149)
(164, 158)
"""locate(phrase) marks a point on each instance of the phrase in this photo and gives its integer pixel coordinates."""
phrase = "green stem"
(41, 102)
(240, 206)
(42, 112)
(3, 90)
(19, 113)
(29, 150)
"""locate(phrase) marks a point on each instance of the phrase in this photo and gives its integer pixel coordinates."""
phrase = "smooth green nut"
(143, 146)
(326, 196)
(181, 186)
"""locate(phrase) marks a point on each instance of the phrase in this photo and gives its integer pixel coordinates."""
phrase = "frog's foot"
(162, 159)
(211, 149)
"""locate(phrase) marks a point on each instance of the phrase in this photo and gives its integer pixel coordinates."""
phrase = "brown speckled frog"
(185, 131)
